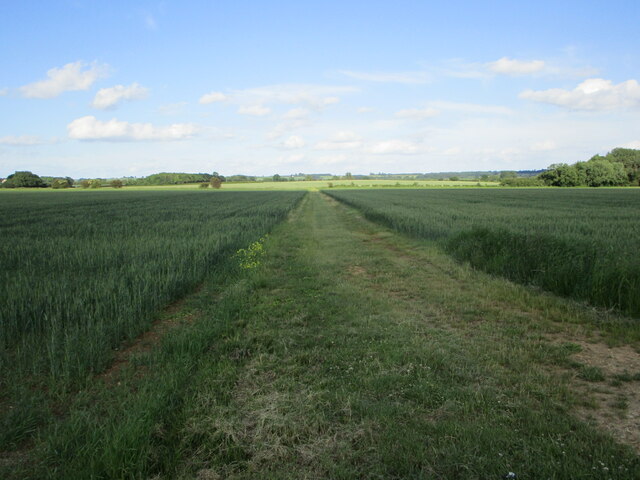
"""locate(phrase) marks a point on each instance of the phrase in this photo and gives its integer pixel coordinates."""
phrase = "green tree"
(630, 159)
(508, 174)
(60, 183)
(85, 183)
(277, 178)
(116, 183)
(602, 173)
(454, 179)
(24, 179)
(348, 176)
(203, 185)
(95, 183)
(563, 175)
(215, 182)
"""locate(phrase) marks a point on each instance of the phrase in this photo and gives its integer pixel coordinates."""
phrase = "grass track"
(352, 352)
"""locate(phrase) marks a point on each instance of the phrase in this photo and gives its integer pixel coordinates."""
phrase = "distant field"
(312, 185)
(581, 243)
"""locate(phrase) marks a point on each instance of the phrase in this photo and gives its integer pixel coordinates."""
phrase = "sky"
(130, 88)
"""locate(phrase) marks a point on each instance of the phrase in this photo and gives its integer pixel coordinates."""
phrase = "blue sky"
(93, 88)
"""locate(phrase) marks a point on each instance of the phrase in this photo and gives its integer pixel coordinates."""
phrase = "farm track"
(370, 354)
(356, 352)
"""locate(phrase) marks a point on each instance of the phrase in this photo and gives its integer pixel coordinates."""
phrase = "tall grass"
(81, 273)
(578, 243)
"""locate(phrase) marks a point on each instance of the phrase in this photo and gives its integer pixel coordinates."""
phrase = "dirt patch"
(145, 342)
(613, 392)
(612, 360)
(357, 271)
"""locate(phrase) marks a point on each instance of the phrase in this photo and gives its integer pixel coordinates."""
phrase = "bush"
(60, 183)
(203, 185)
(116, 183)
(24, 180)
(522, 182)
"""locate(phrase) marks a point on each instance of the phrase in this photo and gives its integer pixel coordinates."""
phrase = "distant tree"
(221, 177)
(563, 175)
(348, 176)
(602, 173)
(522, 182)
(203, 185)
(308, 178)
(116, 183)
(215, 182)
(24, 179)
(277, 178)
(508, 174)
(60, 183)
(454, 179)
(95, 183)
(484, 178)
(630, 159)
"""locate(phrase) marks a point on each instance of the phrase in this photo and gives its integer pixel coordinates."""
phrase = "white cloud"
(293, 142)
(329, 160)
(544, 146)
(312, 96)
(452, 151)
(296, 113)
(108, 98)
(172, 108)
(72, 77)
(592, 94)
(90, 128)
(402, 147)
(509, 66)
(212, 97)
(22, 140)
(365, 109)
(389, 77)
(635, 144)
(287, 126)
(3, 91)
(255, 110)
(472, 108)
(344, 140)
(417, 113)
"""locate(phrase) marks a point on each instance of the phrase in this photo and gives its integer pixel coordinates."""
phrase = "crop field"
(578, 243)
(82, 273)
(195, 334)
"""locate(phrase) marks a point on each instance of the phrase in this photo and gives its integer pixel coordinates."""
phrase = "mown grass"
(347, 353)
(575, 242)
(83, 273)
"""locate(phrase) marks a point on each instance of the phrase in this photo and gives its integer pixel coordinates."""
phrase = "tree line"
(620, 167)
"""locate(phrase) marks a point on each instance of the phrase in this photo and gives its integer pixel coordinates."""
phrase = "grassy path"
(352, 352)
(367, 355)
